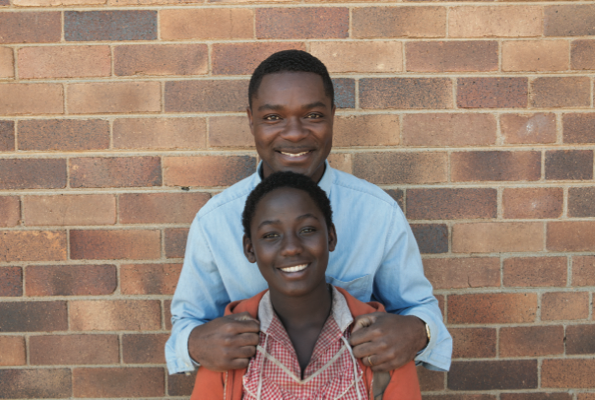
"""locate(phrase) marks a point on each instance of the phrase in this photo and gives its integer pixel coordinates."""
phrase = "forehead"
(278, 87)
(285, 203)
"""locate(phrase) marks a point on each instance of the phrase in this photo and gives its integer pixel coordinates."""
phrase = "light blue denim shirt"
(376, 258)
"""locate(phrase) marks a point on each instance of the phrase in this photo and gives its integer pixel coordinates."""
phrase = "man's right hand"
(225, 343)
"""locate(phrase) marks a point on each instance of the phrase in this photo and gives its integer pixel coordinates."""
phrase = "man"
(291, 116)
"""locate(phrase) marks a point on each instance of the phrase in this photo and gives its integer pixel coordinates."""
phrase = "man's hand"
(385, 341)
(225, 343)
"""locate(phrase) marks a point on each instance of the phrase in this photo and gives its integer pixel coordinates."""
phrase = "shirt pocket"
(360, 288)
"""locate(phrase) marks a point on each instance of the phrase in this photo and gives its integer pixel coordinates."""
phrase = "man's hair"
(286, 179)
(290, 60)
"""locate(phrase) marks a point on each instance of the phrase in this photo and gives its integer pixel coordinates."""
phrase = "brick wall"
(120, 118)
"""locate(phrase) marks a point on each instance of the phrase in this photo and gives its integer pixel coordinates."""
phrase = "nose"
(294, 130)
(291, 246)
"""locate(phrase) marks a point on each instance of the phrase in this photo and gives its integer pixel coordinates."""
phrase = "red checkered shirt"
(337, 381)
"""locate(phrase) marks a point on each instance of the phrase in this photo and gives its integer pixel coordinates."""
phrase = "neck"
(304, 311)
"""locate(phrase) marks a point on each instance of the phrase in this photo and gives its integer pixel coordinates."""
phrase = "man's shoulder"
(349, 184)
(229, 199)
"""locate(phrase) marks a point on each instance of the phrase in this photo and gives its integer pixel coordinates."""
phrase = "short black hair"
(286, 179)
(291, 60)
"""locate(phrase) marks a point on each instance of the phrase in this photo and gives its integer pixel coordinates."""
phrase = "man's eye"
(314, 115)
(272, 118)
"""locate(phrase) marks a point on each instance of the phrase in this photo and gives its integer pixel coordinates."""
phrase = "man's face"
(292, 123)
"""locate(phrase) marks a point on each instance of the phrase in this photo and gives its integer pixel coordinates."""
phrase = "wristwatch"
(428, 332)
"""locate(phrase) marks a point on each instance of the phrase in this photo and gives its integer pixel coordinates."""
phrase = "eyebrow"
(271, 222)
(280, 107)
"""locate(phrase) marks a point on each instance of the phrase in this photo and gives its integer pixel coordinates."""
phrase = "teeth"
(293, 268)
(295, 155)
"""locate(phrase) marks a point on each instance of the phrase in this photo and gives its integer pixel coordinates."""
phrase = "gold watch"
(428, 332)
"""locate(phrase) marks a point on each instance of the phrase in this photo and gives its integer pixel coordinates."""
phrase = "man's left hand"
(385, 341)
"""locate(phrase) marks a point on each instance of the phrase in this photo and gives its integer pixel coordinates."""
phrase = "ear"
(250, 121)
(332, 238)
(249, 249)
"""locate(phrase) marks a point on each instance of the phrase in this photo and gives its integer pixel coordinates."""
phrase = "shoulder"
(347, 184)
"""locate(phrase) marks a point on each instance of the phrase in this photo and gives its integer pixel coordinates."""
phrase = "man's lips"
(294, 154)
(293, 269)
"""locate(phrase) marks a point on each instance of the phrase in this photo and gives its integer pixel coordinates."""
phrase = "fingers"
(363, 321)
(241, 323)
(246, 339)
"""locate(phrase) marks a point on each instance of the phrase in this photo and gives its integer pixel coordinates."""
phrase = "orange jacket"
(228, 385)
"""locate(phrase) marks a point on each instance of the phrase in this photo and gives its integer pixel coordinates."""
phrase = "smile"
(293, 269)
(294, 155)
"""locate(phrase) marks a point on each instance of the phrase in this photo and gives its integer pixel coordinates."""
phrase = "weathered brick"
(63, 134)
(535, 55)
(360, 57)
(230, 131)
(206, 96)
(32, 245)
(536, 396)
(492, 92)
(532, 202)
(495, 21)
(399, 22)
(486, 375)
(6, 135)
(449, 204)
(405, 93)
(31, 99)
(560, 92)
(32, 173)
(430, 380)
(535, 271)
(149, 278)
(452, 56)
(167, 314)
(33, 316)
(492, 308)
(575, 236)
(495, 166)
(569, 20)
(583, 271)
(144, 348)
(74, 349)
(342, 162)
(568, 373)
(344, 92)
(12, 351)
(142, 208)
(115, 97)
(581, 202)
(431, 238)
(6, 63)
(71, 280)
(115, 244)
(115, 172)
(366, 130)
(175, 242)
(243, 58)
(582, 55)
(207, 170)
(564, 306)
(585, 396)
(392, 168)
(10, 211)
(214, 23)
(441, 303)
(55, 383)
(11, 285)
(30, 27)
(180, 384)
(579, 127)
(497, 237)
(118, 382)
(473, 342)
(534, 341)
(569, 165)
(50, 3)
(535, 128)
(458, 396)
(398, 195)
(65, 210)
(161, 60)
(445, 129)
(64, 61)
(303, 22)
(580, 340)
(160, 133)
(120, 25)
(451, 273)
(112, 315)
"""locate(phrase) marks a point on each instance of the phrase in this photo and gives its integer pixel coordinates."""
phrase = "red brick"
(206, 96)
(536, 55)
(398, 22)
(6, 63)
(303, 22)
(180, 384)
(12, 351)
(32, 173)
(569, 20)
(55, 383)
(10, 211)
(534, 341)
(31, 99)
(487, 375)
(115, 244)
(457, 396)
(495, 21)
(477, 166)
(230, 131)
(569, 165)
(63, 210)
(497, 237)
(11, 284)
(175, 242)
(243, 58)
(581, 202)
(535, 272)
(71, 280)
(451, 273)
(473, 342)
(366, 130)
(560, 92)
(144, 348)
(110, 315)
(32, 245)
(115, 172)
(142, 208)
(536, 396)
(442, 129)
(342, 162)
(431, 238)
(532, 202)
(441, 302)
(400, 167)
(405, 93)
(344, 92)
(214, 23)
(492, 92)
(575, 236)
(582, 55)
(160, 133)
(161, 60)
(449, 204)
(118, 382)
(76, 349)
(452, 56)
(64, 61)
(33, 316)
(63, 134)
(114, 97)
(583, 271)
(207, 170)
(360, 56)
(111, 25)
(564, 306)
(579, 128)
(49, 3)
(149, 278)
(568, 373)
(585, 396)
(535, 128)
(430, 380)
(580, 340)
(30, 27)
(397, 194)
(7, 142)
(492, 308)
(167, 313)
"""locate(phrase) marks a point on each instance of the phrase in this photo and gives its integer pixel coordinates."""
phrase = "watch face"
(428, 332)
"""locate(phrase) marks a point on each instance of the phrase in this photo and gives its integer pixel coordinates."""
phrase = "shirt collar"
(325, 183)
